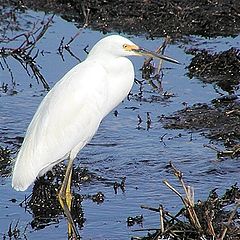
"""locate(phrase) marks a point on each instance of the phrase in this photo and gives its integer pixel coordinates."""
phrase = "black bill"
(144, 52)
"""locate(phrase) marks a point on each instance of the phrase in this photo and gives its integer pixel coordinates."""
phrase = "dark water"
(119, 147)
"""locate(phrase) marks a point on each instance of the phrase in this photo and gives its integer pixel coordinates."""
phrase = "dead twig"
(160, 49)
(23, 53)
(161, 218)
(152, 74)
(235, 151)
(86, 14)
(66, 46)
(208, 219)
(187, 200)
(229, 221)
(209, 223)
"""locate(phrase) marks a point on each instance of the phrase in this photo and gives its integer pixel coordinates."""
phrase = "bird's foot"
(65, 200)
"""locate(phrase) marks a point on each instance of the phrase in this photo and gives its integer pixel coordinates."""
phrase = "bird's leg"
(65, 199)
(69, 201)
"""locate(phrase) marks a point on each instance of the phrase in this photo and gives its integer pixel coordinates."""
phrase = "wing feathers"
(65, 121)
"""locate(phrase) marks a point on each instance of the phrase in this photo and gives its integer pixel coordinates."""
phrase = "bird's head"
(118, 46)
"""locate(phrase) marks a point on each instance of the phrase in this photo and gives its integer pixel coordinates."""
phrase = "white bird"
(70, 114)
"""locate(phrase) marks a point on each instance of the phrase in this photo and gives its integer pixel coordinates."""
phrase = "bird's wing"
(65, 121)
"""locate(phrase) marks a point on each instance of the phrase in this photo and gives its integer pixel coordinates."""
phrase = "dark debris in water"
(14, 232)
(219, 121)
(98, 197)
(156, 18)
(215, 218)
(5, 161)
(24, 41)
(44, 203)
(222, 68)
(120, 185)
(134, 220)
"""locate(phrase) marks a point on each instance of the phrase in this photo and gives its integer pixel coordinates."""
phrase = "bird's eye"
(125, 45)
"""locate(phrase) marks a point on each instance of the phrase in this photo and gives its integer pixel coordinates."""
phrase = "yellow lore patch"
(129, 47)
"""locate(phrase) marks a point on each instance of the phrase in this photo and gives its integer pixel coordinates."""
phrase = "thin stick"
(23, 52)
(173, 189)
(212, 147)
(229, 220)
(161, 218)
(187, 201)
(162, 50)
(86, 14)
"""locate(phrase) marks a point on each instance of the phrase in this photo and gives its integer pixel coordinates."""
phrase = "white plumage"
(71, 112)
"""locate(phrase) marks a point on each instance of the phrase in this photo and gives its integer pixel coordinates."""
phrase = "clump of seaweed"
(154, 18)
(219, 122)
(44, 205)
(215, 218)
(222, 68)
(5, 161)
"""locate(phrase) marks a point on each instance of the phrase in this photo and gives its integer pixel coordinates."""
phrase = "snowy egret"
(71, 112)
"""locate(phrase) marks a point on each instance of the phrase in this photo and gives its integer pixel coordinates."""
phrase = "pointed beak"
(145, 52)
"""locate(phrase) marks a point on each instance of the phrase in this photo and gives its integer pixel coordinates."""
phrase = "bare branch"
(23, 53)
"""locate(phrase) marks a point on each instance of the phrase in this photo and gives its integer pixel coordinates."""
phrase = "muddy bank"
(151, 18)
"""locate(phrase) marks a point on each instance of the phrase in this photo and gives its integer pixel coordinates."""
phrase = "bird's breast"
(120, 78)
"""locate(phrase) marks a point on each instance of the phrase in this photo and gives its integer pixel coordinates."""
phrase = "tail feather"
(22, 178)
(23, 175)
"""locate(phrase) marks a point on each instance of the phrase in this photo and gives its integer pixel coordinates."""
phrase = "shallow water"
(119, 147)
